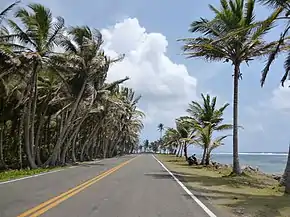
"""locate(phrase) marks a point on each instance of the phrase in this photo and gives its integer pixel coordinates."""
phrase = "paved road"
(140, 188)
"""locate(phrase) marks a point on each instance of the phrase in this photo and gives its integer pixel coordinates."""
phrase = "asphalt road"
(138, 188)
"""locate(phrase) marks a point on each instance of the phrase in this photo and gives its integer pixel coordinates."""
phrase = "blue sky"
(146, 31)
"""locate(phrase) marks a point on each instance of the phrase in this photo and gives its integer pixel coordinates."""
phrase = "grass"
(14, 174)
(249, 195)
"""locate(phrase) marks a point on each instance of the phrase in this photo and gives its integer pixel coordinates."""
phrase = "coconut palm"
(285, 6)
(172, 138)
(206, 141)
(180, 136)
(231, 36)
(206, 118)
(58, 105)
(145, 144)
(37, 35)
(160, 128)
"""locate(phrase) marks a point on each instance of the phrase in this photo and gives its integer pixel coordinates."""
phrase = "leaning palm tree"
(206, 141)
(38, 35)
(231, 36)
(285, 6)
(206, 118)
(87, 65)
(285, 180)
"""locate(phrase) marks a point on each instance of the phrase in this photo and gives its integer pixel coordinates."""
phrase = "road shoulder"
(183, 177)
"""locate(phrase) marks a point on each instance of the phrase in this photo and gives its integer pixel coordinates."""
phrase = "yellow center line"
(45, 206)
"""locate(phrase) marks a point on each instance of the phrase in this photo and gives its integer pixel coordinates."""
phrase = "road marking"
(41, 174)
(204, 207)
(29, 177)
(45, 206)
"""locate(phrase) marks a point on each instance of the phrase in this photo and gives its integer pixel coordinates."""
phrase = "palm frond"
(273, 55)
(4, 13)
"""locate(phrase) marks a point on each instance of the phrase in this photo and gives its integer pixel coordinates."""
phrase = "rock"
(276, 177)
(250, 169)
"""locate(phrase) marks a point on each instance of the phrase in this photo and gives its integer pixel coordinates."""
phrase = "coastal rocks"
(217, 165)
(250, 169)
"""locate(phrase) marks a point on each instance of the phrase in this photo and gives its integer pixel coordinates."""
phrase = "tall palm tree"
(160, 128)
(145, 144)
(231, 36)
(4, 59)
(58, 105)
(38, 34)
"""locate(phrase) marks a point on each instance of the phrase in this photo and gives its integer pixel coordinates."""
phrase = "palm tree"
(231, 36)
(285, 6)
(206, 118)
(154, 146)
(38, 35)
(179, 137)
(140, 148)
(206, 141)
(145, 145)
(160, 128)
(58, 106)
(285, 180)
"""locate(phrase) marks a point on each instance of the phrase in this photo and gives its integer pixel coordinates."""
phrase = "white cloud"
(281, 98)
(166, 87)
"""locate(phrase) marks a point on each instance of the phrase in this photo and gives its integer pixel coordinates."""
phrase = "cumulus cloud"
(281, 98)
(166, 87)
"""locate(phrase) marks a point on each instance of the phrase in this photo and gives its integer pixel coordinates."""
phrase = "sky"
(147, 32)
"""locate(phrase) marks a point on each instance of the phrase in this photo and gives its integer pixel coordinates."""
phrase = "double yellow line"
(43, 207)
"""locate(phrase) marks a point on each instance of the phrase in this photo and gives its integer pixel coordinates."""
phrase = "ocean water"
(273, 163)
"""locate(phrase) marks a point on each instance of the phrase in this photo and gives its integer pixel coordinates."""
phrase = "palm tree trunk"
(33, 112)
(66, 127)
(2, 163)
(207, 158)
(185, 151)
(38, 135)
(236, 163)
(73, 154)
(285, 180)
(20, 140)
(203, 157)
(26, 137)
(178, 148)
(76, 131)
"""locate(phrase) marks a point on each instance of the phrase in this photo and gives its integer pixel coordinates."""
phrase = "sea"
(267, 162)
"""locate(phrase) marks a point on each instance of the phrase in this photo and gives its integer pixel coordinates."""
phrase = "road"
(132, 187)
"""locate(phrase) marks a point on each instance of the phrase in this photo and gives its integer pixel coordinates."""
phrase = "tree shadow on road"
(244, 195)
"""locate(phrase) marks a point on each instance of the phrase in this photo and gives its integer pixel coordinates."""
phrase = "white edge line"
(204, 207)
(28, 177)
(40, 174)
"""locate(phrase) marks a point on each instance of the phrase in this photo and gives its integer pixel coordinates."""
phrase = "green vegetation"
(56, 105)
(232, 36)
(235, 37)
(199, 128)
(252, 194)
(14, 174)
